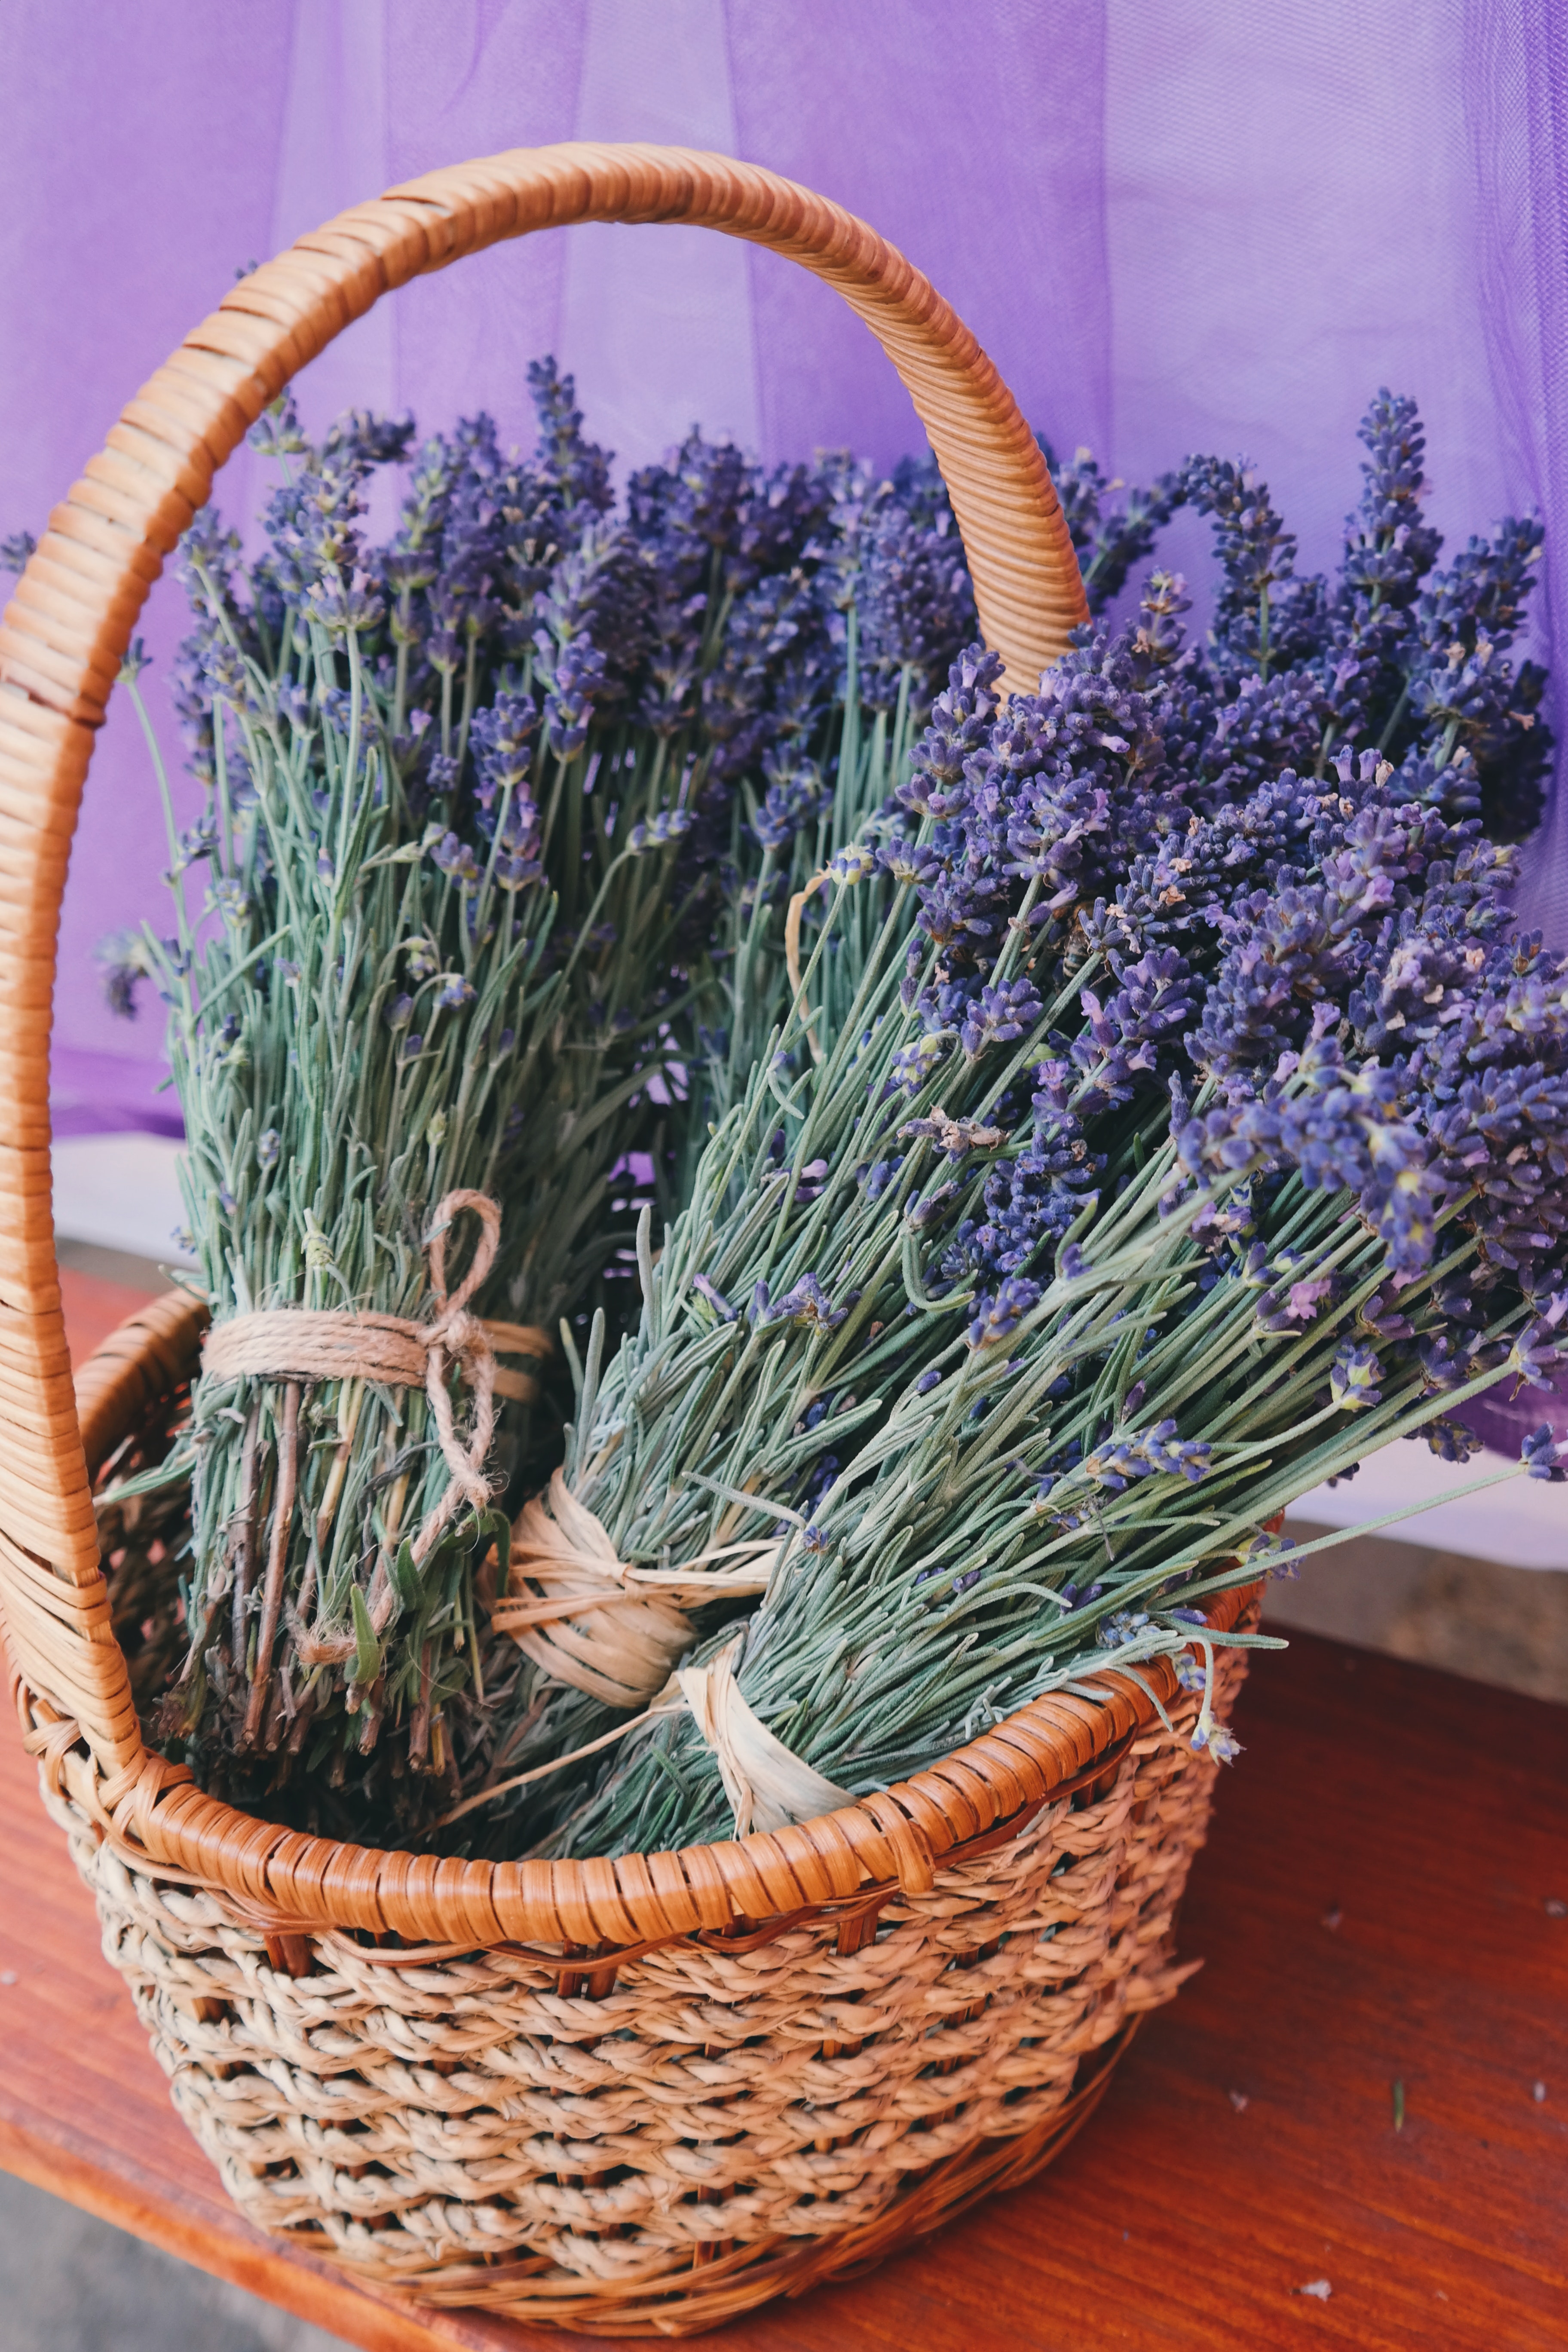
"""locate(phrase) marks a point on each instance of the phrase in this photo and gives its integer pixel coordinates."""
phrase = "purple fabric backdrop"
(1196, 225)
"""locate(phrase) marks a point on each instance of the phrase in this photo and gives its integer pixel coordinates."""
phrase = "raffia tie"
(587, 1618)
(767, 1784)
(298, 1343)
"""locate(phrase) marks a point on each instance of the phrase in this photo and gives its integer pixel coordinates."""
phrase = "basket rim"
(844, 1863)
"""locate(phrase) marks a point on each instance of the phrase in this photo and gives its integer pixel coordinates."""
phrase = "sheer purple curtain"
(1197, 224)
(141, 169)
(1515, 84)
(1515, 80)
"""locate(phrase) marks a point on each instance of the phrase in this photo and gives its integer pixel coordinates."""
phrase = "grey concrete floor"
(70, 2283)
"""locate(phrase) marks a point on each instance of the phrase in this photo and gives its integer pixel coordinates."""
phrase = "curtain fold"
(1515, 85)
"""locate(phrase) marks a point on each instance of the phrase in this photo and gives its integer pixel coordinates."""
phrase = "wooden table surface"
(1384, 1899)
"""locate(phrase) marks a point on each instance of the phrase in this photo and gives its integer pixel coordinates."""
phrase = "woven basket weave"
(637, 2095)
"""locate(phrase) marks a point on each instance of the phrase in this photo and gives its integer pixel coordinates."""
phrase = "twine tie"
(587, 1618)
(767, 1784)
(298, 1343)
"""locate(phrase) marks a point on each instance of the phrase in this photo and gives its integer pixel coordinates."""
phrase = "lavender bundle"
(806, 684)
(384, 1016)
(890, 598)
(775, 1317)
(482, 831)
(899, 597)
(1373, 914)
(1095, 1442)
(788, 1301)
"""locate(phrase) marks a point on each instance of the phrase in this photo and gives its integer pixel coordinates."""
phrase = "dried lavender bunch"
(375, 1009)
(1451, 1174)
(890, 579)
(917, 1139)
(1095, 1442)
(321, 1132)
(779, 1309)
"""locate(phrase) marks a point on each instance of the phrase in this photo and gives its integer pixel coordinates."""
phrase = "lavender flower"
(998, 1316)
(1354, 1377)
(1000, 1014)
(1159, 1451)
(1540, 1453)
(1450, 1441)
(806, 1303)
(123, 962)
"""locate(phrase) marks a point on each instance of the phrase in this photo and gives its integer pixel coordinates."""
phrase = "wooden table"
(1384, 1900)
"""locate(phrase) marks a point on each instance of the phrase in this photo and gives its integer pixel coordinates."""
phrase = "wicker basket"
(637, 2095)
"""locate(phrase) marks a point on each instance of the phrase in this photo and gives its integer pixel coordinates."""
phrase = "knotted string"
(587, 1619)
(297, 1343)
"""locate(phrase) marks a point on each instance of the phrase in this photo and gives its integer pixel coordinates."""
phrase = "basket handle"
(72, 616)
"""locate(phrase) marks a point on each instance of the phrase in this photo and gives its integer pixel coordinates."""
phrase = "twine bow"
(455, 1337)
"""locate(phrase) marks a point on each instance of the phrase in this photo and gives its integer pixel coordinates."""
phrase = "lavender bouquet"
(493, 813)
(1135, 1320)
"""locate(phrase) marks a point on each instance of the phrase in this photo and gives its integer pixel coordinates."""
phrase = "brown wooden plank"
(93, 1308)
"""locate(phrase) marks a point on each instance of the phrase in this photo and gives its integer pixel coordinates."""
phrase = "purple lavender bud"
(1450, 1441)
(716, 1299)
(807, 1304)
(457, 861)
(1540, 1453)
(1537, 1354)
(1221, 1743)
(998, 1315)
(1354, 1376)
(852, 865)
(1000, 1014)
